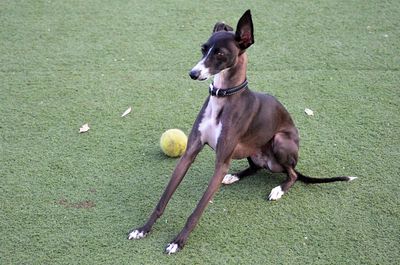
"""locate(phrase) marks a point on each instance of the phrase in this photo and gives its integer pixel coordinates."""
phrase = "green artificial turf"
(70, 198)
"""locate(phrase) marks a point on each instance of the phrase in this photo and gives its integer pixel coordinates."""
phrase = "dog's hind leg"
(278, 191)
(285, 150)
(251, 170)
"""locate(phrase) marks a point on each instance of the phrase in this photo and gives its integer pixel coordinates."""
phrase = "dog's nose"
(194, 74)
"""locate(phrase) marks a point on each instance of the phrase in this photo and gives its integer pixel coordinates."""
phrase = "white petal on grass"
(84, 128)
(126, 112)
(309, 112)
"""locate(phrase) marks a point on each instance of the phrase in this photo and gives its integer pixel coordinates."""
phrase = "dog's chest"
(210, 126)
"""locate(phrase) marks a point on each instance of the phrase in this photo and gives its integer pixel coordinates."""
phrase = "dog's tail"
(311, 180)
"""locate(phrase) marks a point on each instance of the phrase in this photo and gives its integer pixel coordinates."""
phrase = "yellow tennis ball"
(173, 142)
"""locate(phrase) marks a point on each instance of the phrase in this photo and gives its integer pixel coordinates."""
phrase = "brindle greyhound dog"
(236, 123)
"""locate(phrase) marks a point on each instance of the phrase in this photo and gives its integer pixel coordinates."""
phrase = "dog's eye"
(203, 50)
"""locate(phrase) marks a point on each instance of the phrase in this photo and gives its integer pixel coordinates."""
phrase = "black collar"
(218, 92)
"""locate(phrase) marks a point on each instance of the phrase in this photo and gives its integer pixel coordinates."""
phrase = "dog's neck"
(233, 76)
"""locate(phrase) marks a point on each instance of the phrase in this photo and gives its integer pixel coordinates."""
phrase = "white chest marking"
(209, 128)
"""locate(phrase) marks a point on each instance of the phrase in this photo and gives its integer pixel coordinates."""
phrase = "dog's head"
(223, 47)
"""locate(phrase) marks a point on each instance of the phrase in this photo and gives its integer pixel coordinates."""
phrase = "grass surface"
(70, 198)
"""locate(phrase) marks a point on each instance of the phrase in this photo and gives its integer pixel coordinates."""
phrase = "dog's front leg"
(194, 147)
(221, 168)
(180, 240)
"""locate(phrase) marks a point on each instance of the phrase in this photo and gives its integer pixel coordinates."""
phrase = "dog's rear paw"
(229, 179)
(276, 193)
(172, 248)
(137, 234)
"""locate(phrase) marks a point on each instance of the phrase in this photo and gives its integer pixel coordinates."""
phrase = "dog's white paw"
(171, 248)
(136, 234)
(352, 178)
(229, 179)
(276, 193)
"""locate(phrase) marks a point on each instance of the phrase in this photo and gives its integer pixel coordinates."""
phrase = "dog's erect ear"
(244, 31)
(221, 26)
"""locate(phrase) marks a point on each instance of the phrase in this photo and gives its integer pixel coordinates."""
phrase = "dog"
(236, 123)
